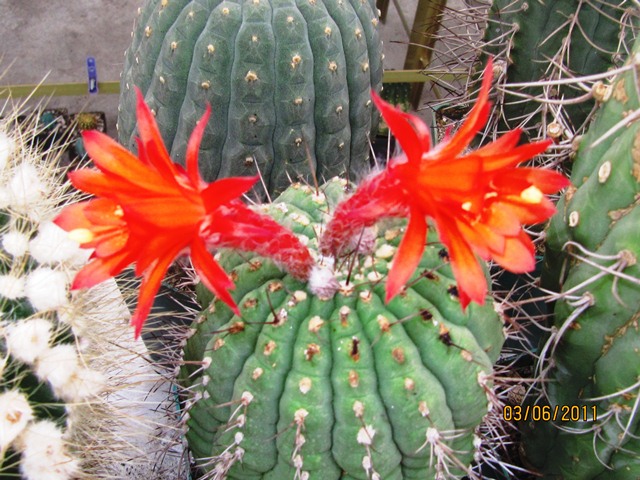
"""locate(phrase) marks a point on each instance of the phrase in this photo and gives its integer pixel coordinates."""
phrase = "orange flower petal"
(519, 254)
(212, 275)
(411, 132)
(100, 269)
(509, 158)
(156, 154)
(112, 159)
(73, 217)
(408, 255)
(222, 191)
(151, 280)
(476, 119)
(472, 284)
(193, 148)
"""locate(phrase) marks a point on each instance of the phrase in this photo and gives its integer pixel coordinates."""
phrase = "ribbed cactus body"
(551, 40)
(594, 362)
(302, 386)
(288, 82)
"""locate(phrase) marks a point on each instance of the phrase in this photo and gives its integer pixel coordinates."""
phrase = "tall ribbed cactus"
(551, 40)
(288, 81)
(590, 364)
(302, 386)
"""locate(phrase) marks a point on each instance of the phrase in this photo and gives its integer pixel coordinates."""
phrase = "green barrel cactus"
(288, 81)
(555, 40)
(306, 385)
(590, 363)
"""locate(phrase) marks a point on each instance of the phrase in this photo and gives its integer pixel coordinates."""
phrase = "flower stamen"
(532, 195)
(81, 235)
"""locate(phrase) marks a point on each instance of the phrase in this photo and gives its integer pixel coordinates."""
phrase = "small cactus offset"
(590, 362)
(288, 82)
(321, 385)
(43, 375)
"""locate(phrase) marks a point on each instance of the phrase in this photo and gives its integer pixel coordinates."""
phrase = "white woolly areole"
(46, 289)
(84, 383)
(366, 434)
(26, 189)
(322, 282)
(15, 243)
(15, 413)
(7, 148)
(57, 364)
(5, 197)
(44, 453)
(28, 340)
(53, 245)
(11, 286)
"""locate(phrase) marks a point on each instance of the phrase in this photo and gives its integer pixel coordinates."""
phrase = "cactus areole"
(289, 82)
(305, 387)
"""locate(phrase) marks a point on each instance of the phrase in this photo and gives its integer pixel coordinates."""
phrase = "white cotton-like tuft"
(57, 364)
(15, 413)
(27, 340)
(46, 289)
(53, 245)
(5, 197)
(44, 453)
(322, 282)
(83, 384)
(26, 189)
(15, 243)
(11, 286)
(7, 148)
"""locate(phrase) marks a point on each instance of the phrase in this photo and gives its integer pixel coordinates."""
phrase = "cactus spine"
(591, 359)
(343, 387)
(288, 83)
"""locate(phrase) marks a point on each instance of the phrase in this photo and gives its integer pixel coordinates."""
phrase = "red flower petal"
(193, 148)
(151, 280)
(222, 191)
(410, 131)
(212, 275)
(472, 284)
(408, 255)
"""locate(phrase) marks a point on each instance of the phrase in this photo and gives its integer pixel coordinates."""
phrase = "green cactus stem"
(330, 382)
(288, 82)
(555, 40)
(591, 362)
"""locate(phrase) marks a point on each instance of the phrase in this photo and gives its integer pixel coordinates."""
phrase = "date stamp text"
(548, 413)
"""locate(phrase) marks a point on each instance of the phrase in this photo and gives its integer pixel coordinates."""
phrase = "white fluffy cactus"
(71, 386)
(41, 366)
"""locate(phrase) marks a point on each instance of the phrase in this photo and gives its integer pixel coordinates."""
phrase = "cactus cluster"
(302, 386)
(288, 83)
(590, 361)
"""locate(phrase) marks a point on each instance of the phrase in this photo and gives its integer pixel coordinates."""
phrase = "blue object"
(93, 75)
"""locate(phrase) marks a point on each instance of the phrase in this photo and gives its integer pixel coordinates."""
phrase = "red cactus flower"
(478, 200)
(149, 210)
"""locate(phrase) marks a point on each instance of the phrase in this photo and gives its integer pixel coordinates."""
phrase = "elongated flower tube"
(478, 199)
(149, 210)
